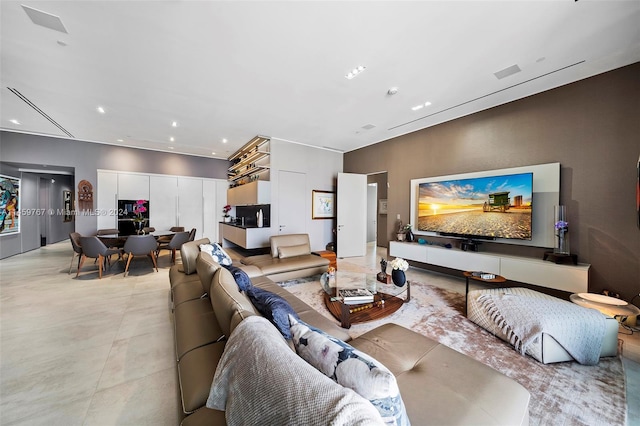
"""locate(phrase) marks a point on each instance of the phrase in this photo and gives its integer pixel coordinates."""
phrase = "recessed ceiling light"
(170, 147)
(213, 153)
(427, 103)
(120, 140)
(100, 109)
(14, 121)
(224, 141)
(172, 139)
(355, 72)
(417, 107)
(174, 124)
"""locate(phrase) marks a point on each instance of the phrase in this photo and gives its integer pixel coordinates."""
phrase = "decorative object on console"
(382, 275)
(401, 233)
(409, 237)
(399, 266)
(259, 218)
(562, 227)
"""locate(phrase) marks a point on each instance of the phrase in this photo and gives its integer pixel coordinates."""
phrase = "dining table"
(117, 240)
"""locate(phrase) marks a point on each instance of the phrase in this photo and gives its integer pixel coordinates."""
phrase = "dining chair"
(192, 234)
(167, 238)
(140, 245)
(94, 248)
(173, 244)
(74, 237)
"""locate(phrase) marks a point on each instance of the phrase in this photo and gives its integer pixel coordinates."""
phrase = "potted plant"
(226, 210)
(139, 220)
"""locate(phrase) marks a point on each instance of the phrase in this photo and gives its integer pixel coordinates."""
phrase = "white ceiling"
(238, 69)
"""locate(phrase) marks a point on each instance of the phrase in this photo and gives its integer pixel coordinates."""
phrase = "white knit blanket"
(580, 331)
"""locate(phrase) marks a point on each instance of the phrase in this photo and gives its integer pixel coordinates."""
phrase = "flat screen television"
(477, 208)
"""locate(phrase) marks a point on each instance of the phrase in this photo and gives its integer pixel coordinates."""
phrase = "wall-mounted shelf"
(250, 163)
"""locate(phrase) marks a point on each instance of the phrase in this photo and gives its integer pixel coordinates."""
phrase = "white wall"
(321, 167)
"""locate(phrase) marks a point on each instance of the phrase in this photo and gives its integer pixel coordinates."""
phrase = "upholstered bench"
(544, 348)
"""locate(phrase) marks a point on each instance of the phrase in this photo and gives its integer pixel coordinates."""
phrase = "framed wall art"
(382, 206)
(67, 198)
(9, 205)
(323, 205)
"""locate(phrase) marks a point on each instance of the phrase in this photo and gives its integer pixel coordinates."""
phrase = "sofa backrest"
(189, 253)
(206, 267)
(295, 243)
(229, 304)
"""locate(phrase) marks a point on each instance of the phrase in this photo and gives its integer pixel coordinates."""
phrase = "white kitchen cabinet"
(107, 200)
(190, 204)
(133, 186)
(163, 202)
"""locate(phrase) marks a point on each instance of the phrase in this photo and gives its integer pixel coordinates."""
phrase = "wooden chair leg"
(101, 260)
(73, 257)
(153, 259)
(82, 258)
(126, 269)
(173, 256)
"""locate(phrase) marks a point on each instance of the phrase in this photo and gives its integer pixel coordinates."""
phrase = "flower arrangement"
(226, 210)
(562, 227)
(399, 263)
(138, 209)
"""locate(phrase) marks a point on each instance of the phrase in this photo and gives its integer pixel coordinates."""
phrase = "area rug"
(561, 394)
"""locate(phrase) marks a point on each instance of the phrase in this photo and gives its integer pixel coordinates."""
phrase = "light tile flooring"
(84, 351)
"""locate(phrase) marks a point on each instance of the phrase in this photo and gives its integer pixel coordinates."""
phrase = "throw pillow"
(259, 380)
(241, 277)
(274, 308)
(218, 254)
(352, 369)
(292, 251)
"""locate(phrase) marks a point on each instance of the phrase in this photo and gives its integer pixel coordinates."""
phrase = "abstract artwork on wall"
(9, 205)
(323, 205)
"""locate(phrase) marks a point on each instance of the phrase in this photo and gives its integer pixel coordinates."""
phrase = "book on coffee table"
(354, 296)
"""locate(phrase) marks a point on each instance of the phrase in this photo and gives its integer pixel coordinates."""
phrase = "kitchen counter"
(238, 225)
(248, 237)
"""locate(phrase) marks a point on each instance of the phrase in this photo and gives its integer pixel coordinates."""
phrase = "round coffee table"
(386, 297)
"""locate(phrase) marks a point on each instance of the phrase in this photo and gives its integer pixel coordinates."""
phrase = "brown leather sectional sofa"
(438, 385)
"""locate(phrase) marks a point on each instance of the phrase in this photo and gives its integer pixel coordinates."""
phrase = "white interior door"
(352, 215)
(372, 212)
(292, 196)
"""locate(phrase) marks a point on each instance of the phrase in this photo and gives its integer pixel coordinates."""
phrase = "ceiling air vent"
(513, 69)
(45, 19)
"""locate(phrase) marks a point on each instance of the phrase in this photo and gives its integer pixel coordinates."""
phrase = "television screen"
(483, 207)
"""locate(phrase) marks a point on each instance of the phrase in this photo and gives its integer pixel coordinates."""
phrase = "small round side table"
(611, 306)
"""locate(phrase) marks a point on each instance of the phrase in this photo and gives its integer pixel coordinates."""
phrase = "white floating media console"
(570, 278)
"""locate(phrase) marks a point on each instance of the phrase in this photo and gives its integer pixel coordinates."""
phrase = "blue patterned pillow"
(218, 254)
(352, 369)
(274, 308)
(241, 277)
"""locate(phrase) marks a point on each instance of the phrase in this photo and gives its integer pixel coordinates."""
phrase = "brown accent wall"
(591, 127)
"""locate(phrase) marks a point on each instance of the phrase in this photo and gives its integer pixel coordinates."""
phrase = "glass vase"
(561, 229)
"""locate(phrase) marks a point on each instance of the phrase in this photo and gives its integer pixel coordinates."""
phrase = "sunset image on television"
(494, 207)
